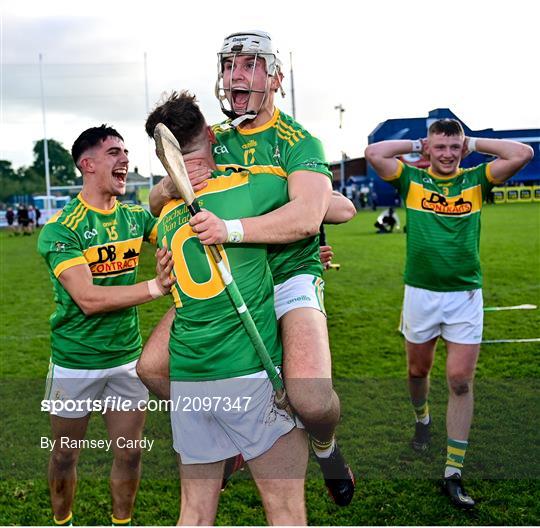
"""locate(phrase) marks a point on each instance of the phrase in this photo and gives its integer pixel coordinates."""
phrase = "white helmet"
(256, 43)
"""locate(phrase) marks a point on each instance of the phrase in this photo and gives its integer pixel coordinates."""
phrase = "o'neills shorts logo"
(439, 204)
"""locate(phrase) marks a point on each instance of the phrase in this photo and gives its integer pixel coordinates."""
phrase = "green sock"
(120, 522)
(455, 454)
(421, 411)
(68, 521)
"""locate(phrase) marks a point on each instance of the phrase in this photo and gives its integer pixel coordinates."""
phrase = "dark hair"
(90, 138)
(180, 113)
(447, 127)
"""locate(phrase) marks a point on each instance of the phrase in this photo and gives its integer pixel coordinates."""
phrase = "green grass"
(363, 300)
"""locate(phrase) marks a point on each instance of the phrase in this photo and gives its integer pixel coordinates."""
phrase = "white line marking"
(532, 340)
(517, 307)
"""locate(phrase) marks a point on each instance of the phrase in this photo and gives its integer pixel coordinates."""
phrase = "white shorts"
(456, 316)
(300, 291)
(73, 393)
(215, 420)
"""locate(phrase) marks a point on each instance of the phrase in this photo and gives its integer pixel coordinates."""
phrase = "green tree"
(61, 166)
(9, 184)
(24, 180)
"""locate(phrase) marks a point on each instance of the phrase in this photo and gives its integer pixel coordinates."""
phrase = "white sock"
(424, 420)
(449, 471)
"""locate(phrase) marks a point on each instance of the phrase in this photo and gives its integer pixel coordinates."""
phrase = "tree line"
(31, 180)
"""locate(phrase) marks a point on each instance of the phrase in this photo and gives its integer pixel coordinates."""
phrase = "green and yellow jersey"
(109, 242)
(443, 226)
(279, 147)
(208, 340)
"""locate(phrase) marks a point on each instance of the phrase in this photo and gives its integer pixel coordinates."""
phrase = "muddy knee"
(460, 385)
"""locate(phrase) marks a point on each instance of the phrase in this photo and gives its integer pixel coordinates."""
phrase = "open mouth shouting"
(120, 175)
(240, 98)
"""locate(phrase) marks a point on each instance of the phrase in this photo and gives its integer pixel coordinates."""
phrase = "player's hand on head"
(198, 173)
(326, 254)
(164, 266)
(209, 228)
(465, 150)
(424, 152)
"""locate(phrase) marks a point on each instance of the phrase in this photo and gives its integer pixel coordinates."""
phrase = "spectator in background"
(10, 218)
(31, 219)
(374, 200)
(22, 219)
(386, 221)
(38, 216)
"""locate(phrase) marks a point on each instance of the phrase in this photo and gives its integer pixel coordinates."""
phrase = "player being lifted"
(92, 248)
(212, 357)
(261, 138)
(443, 280)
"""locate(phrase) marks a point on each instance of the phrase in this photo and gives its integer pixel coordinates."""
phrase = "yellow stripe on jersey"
(489, 175)
(257, 169)
(66, 264)
(73, 216)
(396, 174)
(468, 202)
(285, 138)
(289, 131)
(114, 258)
(80, 219)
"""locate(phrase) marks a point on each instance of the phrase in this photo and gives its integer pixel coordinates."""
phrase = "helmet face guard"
(254, 44)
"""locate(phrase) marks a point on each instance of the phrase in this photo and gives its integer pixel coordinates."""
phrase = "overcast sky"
(380, 59)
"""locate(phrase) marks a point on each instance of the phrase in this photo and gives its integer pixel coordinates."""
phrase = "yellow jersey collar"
(95, 209)
(262, 128)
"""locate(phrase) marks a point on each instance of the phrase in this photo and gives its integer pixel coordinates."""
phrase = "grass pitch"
(363, 299)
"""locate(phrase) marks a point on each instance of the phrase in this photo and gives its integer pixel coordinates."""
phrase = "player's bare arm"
(310, 194)
(382, 155)
(93, 299)
(340, 210)
(512, 156)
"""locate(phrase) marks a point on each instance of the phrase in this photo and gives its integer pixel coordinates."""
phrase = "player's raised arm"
(382, 155)
(93, 299)
(512, 156)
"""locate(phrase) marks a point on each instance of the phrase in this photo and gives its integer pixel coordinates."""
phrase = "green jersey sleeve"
(307, 154)
(481, 175)
(60, 247)
(401, 180)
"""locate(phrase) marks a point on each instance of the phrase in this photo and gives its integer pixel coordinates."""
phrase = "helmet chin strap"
(239, 119)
